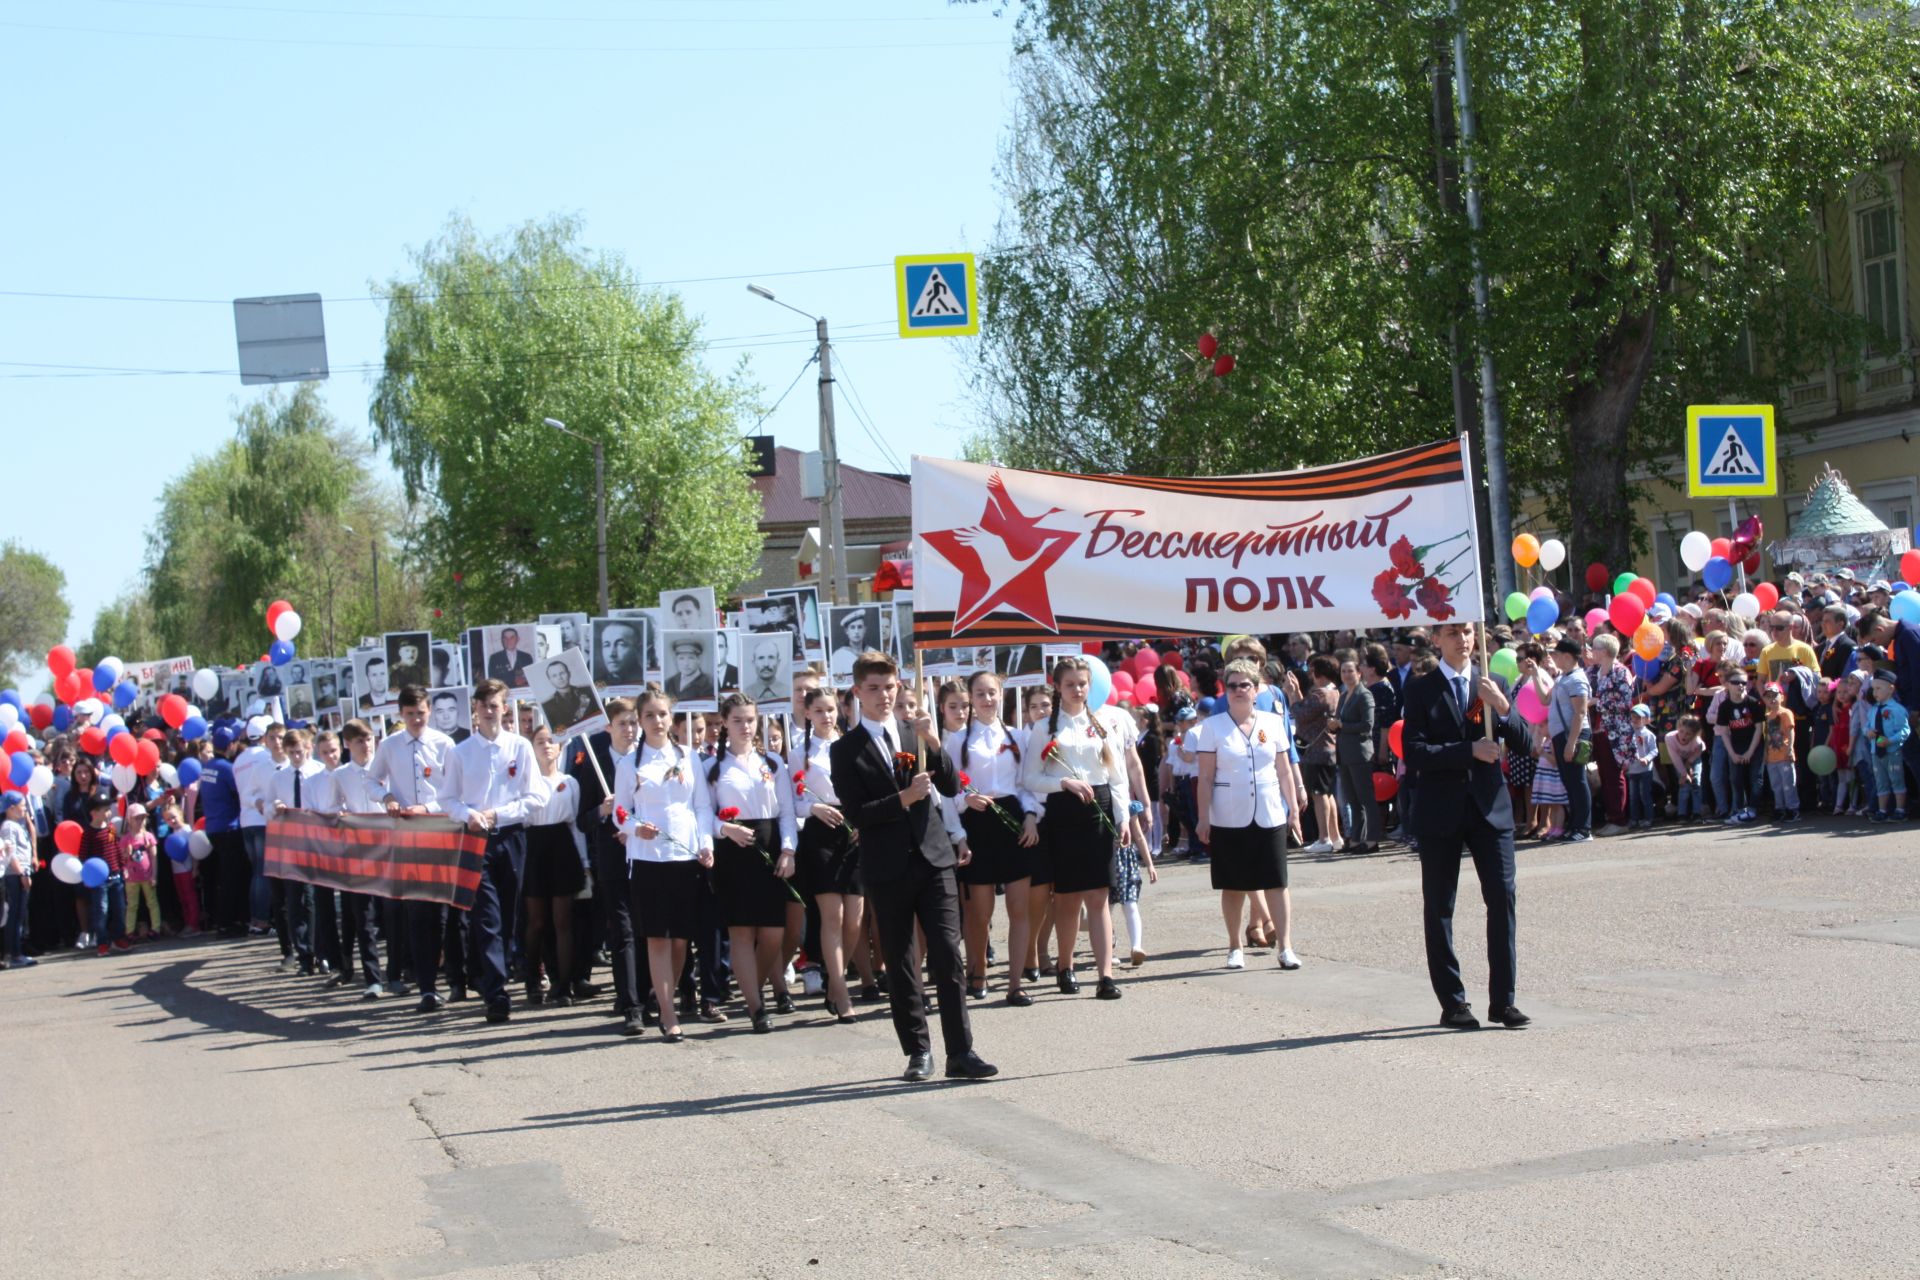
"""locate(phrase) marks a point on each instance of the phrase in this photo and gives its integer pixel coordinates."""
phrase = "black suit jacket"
(580, 769)
(893, 839)
(498, 668)
(1455, 789)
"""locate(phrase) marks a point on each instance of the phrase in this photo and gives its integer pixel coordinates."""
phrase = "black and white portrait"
(775, 613)
(450, 711)
(371, 677)
(767, 668)
(300, 702)
(726, 660)
(690, 669)
(268, 682)
(806, 602)
(546, 642)
(901, 606)
(690, 609)
(509, 653)
(447, 669)
(1021, 666)
(574, 628)
(326, 686)
(408, 658)
(619, 654)
(232, 695)
(565, 689)
(852, 630)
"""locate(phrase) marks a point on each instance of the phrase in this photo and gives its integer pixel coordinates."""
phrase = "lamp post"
(833, 533)
(599, 502)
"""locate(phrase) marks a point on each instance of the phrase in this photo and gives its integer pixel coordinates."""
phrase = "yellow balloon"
(1526, 550)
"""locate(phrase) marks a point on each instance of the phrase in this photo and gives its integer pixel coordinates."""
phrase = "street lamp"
(833, 540)
(599, 500)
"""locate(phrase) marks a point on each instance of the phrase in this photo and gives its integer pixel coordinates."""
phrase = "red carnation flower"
(1405, 562)
(579, 757)
(729, 813)
(1391, 596)
(620, 813)
(1434, 596)
(965, 781)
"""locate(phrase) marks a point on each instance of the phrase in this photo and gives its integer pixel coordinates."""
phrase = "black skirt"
(1080, 843)
(1248, 859)
(750, 895)
(665, 897)
(553, 869)
(828, 860)
(995, 846)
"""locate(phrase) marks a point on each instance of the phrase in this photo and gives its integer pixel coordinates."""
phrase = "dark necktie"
(296, 788)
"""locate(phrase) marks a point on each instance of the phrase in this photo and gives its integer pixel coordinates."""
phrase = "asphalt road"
(1720, 1081)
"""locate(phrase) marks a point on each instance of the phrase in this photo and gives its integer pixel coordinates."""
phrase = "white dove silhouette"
(995, 558)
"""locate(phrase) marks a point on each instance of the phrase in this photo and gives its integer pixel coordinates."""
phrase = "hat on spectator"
(1886, 674)
(1693, 611)
(136, 811)
(1640, 709)
(1845, 575)
(1879, 584)
(257, 728)
(222, 738)
(1771, 686)
(1874, 651)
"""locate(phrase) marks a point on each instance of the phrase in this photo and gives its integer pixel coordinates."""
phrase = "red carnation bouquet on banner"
(967, 788)
(1406, 581)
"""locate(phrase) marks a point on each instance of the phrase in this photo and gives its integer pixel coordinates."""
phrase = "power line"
(859, 407)
(784, 394)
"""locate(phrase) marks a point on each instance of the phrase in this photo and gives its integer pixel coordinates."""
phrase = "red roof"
(868, 496)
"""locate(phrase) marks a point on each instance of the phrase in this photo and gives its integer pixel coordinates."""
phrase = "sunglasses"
(1736, 684)
(1239, 684)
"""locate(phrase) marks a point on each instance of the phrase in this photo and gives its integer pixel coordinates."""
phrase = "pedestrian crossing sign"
(938, 294)
(1730, 451)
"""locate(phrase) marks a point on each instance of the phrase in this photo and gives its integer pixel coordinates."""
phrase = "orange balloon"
(1526, 550)
(1649, 640)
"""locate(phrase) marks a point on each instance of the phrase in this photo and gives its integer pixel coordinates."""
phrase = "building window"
(1880, 276)
(1667, 567)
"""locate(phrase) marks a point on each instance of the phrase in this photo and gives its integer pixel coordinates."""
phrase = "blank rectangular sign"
(282, 339)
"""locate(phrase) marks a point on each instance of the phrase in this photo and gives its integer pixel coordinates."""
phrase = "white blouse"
(668, 789)
(995, 756)
(816, 767)
(748, 783)
(1246, 785)
(552, 800)
(1079, 747)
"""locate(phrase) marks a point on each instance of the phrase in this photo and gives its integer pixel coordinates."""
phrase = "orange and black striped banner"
(423, 859)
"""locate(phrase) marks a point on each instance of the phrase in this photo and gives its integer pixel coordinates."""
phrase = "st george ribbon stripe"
(423, 859)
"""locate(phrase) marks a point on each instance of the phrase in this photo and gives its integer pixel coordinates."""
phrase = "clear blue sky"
(166, 149)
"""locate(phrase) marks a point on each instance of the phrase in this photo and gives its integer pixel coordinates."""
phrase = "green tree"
(33, 609)
(124, 628)
(495, 335)
(1265, 171)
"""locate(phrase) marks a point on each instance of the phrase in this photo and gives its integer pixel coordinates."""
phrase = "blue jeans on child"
(1889, 772)
(1687, 802)
(1640, 797)
(108, 918)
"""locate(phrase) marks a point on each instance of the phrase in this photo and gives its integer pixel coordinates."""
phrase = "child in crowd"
(186, 885)
(1846, 695)
(109, 907)
(1860, 745)
(1645, 751)
(1820, 724)
(140, 853)
(1685, 747)
(1739, 719)
(1549, 793)
(1890, 730)
(1781, 776)
(16, 872)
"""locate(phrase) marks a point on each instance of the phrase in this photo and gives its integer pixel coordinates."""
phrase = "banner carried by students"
(1384, 541)
(422, 859)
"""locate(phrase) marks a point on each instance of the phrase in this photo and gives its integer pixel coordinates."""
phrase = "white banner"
(1008, 557)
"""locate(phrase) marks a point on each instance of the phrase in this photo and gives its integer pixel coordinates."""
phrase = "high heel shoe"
(1068, 984)
(1108, 990)
(846, 1014)
(1019, 999)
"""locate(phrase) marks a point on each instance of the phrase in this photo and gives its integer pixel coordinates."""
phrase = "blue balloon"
(125, 694)
(1098, 691)
(280, 652)
(189, 771)
(1209, 706)
(62, 717)
(1906, 607)
(180, 847)
(1666, 598)
(93, 873)
(1542, 613)
(21, 768)
(115, 731)
(12, 696)
(103, 678)
(191, 730)
(1717, 573)
(1896, 588)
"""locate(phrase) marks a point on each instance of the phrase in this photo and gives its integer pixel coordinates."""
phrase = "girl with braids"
(554, 875)
(666, 818)
(1074, 766)
(1036, 704)
(999, 822)
(753, 805)
(828, 861)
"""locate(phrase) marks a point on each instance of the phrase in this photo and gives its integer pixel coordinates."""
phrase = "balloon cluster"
(1131, 683)
(284, 623)
(1529, 551)
(1210, 350)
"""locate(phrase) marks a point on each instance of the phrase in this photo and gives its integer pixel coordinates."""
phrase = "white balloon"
(206, 682)
(1553, 554)
(112, 720)
(287, 627)
(200, 844)
(124, 778)
(1695, 550)
(41, 782)
(9, 717)
(116, 666)
(1746, 605)
(65, 868)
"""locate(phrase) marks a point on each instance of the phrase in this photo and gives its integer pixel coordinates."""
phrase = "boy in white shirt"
(301, 785)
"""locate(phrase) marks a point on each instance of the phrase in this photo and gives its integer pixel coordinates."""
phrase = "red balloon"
(1145, 661)
(17, 740)
(146, 758)
(1626, 612)
(1767, 594)
(1644, 589)
(1395, 734)
(1598, 577)
(66, 837)
(274, 611)
(1723, 547)
(1223, 366)
(1123, 697)
(1910, 567)
(1122, 680)
(1208, 345)
(69, 688)
(59, 660)
(1385, 787)
(173, 709)
(122, 748)
(1752, 564)
(40, 714)
(93, 740)
(1175, 659)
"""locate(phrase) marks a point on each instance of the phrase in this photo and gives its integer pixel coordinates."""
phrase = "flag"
(424, 859)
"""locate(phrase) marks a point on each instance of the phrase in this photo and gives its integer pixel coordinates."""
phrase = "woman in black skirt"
(1036, 704)
(753, 855)
(666, 819)
(554, 874)
(998, 823)
(1245, 802)
(829, 862)
(1069, 766)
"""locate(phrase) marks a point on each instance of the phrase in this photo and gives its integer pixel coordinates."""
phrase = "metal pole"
(1492, 418)
(833, 534)
(600, 529)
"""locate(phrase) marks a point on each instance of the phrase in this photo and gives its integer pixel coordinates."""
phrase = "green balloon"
(1516, 607)
(1822, 760)
(1505, 664)
(1621, 583)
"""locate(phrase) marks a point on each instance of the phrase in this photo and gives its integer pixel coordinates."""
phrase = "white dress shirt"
(1246, 787)
(667, 788)
(815, 768)
(1123, 734)
(355, 791)
(1080, 747)
(552, 800)
(491, 773)
(748, 783)
(887, 735)
(315, 792)
(253, 775)
(414, 770)
(995, 755)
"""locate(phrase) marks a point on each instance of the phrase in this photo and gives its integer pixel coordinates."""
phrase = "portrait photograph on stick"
(726, 663)
(775, 613)
(852, 629)
(807, 605)
(450, 710)
(509, 652)
(447, 669)
(574, 628)
(564, 688)
(407, 657)
(768, 668)
(619, 648)
(376, 691)
(690, 670)
(689, 609)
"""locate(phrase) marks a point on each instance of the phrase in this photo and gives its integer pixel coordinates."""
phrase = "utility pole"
(1492, 417)
(599, 501)
(834, 535)
(373, 545)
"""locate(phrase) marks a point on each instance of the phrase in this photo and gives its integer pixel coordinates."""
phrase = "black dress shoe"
(1068, 984)
(976, 992)
(456, 992)
(559, 999)
(919, 1067)
(1508, 1016)
(536, 996)
(584, 990)
(432, 1002)
(498, 1013)
(650, 1015)
(1460, 1018)
(867, 994)
(762, 1022)
(1019, 999)
(1030, 975)
(1107, 990)
(631, 1025)
(783, 1003)
(970, 1066)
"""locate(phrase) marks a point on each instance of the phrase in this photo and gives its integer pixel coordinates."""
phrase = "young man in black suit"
(1464, 803)
(906, 864)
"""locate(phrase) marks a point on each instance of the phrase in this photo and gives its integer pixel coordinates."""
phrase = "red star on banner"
(1003, 560)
